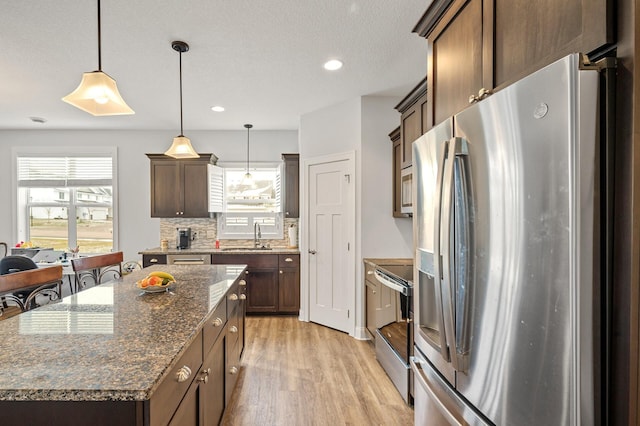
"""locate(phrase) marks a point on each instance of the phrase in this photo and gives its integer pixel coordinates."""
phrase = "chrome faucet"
(257, 234)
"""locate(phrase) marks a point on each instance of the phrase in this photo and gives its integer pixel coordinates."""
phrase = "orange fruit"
(155, 281)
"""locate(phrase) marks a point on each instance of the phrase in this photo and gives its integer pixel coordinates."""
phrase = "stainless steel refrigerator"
(505, 234)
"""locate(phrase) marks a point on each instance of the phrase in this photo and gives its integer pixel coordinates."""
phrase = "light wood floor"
(298, 373)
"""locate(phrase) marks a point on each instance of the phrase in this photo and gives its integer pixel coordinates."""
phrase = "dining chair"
(97, 269)
(43, 285)
(17, 263)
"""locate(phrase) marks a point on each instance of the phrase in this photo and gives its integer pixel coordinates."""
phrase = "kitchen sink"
(246, 248)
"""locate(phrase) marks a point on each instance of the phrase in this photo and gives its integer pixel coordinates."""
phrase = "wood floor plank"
(298, 373)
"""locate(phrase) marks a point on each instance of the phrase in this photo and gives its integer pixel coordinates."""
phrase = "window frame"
(66, 151)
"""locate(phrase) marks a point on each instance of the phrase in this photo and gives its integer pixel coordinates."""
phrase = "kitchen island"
(113, 354)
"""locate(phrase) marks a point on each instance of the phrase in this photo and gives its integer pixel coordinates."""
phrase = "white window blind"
(64, 171)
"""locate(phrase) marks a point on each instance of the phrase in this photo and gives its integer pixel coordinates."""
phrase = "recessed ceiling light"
(217, 108)
(333, 65)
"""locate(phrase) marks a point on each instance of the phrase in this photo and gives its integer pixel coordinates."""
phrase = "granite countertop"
(388, 261)
(110, 342)
(222, 250)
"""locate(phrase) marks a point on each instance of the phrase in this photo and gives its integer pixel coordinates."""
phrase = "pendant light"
(248, 179)
(97, 93)
(181, 146)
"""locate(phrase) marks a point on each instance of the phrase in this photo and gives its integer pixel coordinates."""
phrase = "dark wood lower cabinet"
(262, 290)
(272, 281)
(212, 393)
(188, 411)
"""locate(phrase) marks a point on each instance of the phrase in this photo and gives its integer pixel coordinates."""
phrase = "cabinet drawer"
(214, 326)
(233, 328)
(289, 260)
(153, 259)
(233, 300)
(252, 260)
(167, 397)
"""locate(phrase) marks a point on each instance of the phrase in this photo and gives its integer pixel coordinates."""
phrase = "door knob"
(312, 252)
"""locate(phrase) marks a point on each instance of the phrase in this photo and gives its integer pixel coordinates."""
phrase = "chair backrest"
(45, 281)
(97, 267)
(10, 264)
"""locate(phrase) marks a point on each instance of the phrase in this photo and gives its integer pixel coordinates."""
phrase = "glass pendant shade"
(181, 148)
(248, 180)
(98, 95)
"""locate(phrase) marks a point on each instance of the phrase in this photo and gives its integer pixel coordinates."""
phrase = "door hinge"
(347, 177)
(348, 246)
(348, 312)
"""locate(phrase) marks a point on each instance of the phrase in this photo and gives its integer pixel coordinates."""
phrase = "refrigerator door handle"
(428, 383)
(437, 255)
(456, 147)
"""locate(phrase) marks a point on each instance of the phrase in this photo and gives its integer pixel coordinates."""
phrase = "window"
(66, 201)
(247, 203)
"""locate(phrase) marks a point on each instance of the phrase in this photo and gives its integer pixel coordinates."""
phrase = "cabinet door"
(165, 189)
(456, 60)
(291, 185)
(212, 398)
(195, 190)
(397, 180)
(529, 35)
(410, 130)
(371, 302)
(289, 291)
(262, 290)
(188, 413)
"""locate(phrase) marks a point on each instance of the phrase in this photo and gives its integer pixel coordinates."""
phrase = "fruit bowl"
(156, 282)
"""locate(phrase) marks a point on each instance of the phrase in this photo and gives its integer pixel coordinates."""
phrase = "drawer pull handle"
(233, 370)
(246, 272)
(217, 322)
(204, 376)
(233, 329)
(183, 374)
(288, 259)
(242, 282)
(154, 260)
(243, 297)
(233, 297)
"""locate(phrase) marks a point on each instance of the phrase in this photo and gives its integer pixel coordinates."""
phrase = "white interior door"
(331, 204)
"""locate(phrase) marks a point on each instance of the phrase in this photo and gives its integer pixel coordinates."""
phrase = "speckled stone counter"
(110, 342)
(223, 250)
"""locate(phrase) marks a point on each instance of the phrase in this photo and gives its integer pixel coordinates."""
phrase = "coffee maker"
(183, 238)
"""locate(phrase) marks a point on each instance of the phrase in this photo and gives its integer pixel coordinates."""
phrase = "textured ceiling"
(261, 60)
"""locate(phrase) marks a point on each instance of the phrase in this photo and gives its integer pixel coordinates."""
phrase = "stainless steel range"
(394, 337)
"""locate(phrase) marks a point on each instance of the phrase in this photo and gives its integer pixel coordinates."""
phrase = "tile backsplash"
(205, 231)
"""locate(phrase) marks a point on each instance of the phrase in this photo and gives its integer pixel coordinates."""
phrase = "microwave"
(406, 193)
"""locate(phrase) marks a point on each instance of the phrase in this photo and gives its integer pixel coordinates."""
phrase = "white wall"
(137, 230)
(382, 234)
(361, 125)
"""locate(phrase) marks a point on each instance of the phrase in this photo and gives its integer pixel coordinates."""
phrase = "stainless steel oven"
(394, 338)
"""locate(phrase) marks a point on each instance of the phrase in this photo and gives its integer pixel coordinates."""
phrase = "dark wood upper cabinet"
(397, 176)
(291, 185)
(179, 188)
(489, 44)
(412, 111)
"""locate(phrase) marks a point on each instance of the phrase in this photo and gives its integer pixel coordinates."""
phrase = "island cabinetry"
(179, 188)
(477, 46)
(235, 339)
(291, 185)
(169, 395)
(272, 281)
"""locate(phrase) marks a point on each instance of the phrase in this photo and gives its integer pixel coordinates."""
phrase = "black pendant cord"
(99, 40)
(181, 131)
(248, 126)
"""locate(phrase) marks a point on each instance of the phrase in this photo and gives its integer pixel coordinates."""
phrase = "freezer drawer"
(435, 402)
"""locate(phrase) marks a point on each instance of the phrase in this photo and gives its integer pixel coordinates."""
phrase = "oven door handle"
(392, 285)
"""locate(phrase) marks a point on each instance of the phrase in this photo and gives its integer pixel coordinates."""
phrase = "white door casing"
(330, 211)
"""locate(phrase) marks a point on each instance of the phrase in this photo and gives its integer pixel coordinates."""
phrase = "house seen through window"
(251, 201)
(66, 202)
